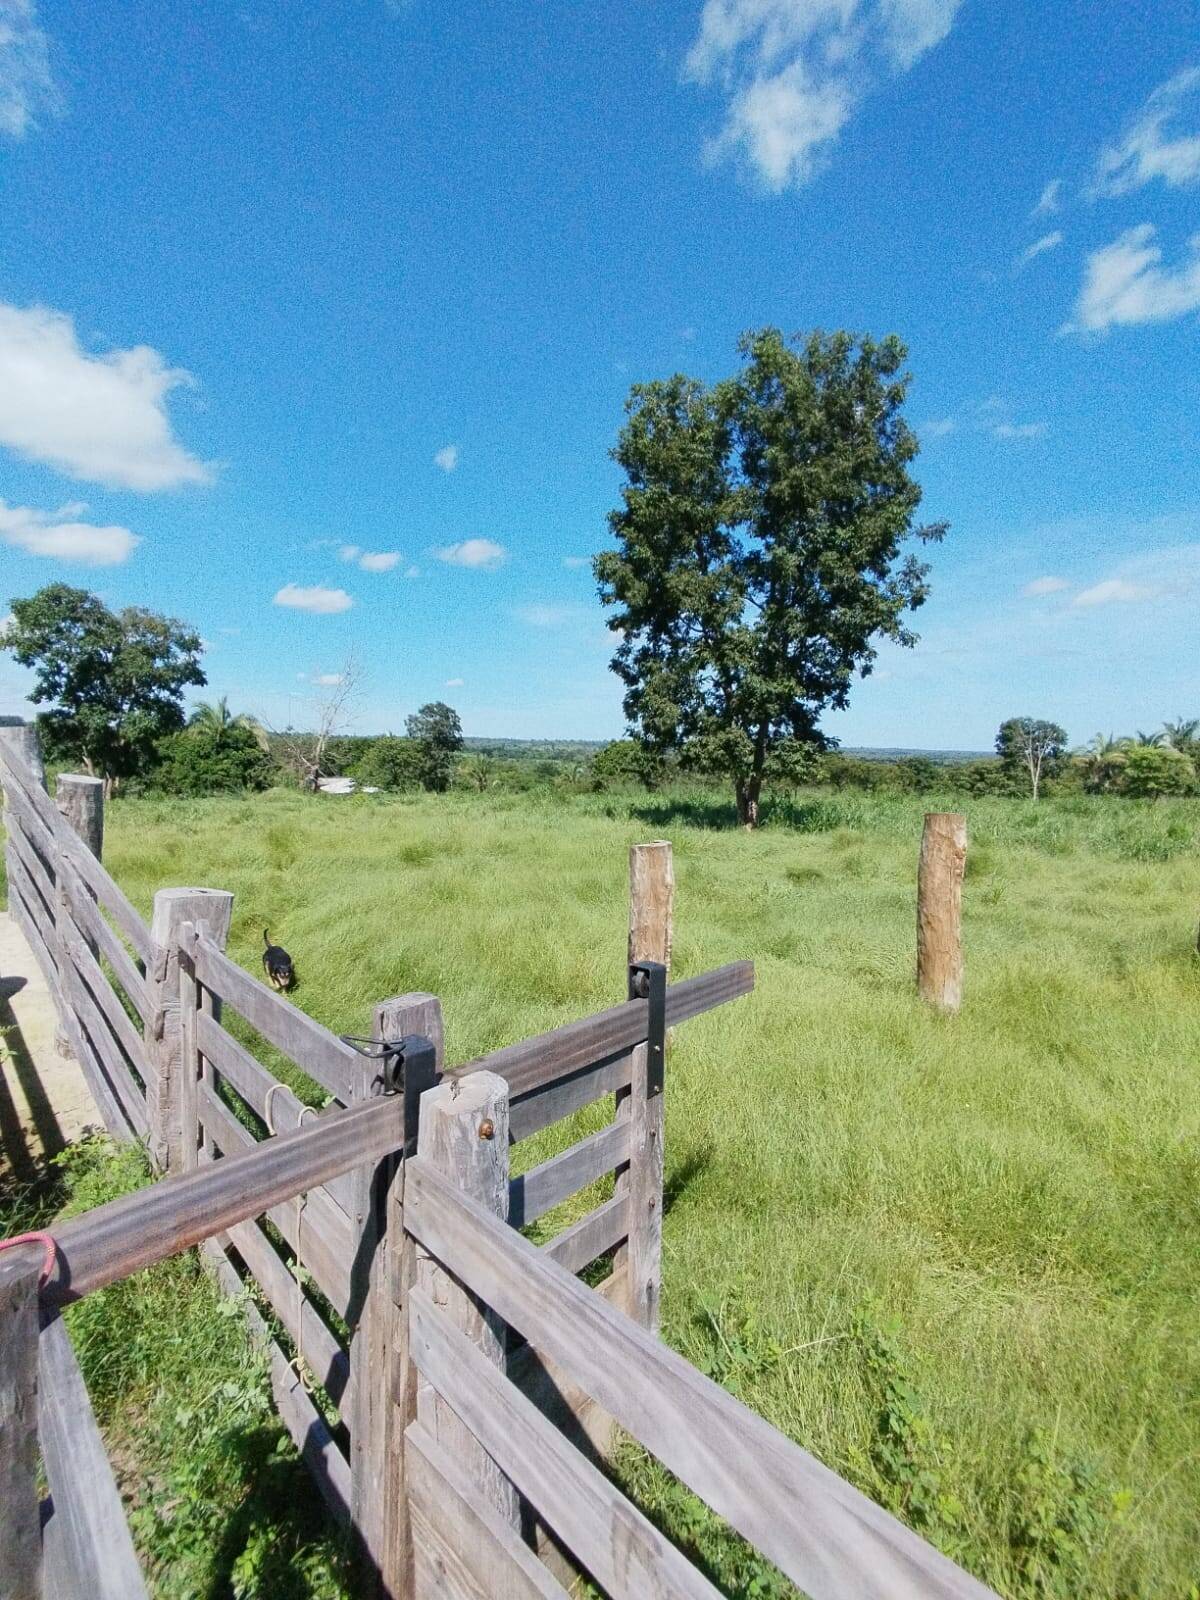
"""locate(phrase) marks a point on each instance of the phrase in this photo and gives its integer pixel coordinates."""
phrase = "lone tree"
(759, 550)
(113, 682)
(438, 734)
(1027, 743)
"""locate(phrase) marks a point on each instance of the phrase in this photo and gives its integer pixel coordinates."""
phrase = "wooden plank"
(562, 1097)
(95, 1073)
(821, 1532)
(543, 1187)
(463, 1134)
(307, 1329)
(110, 896)
(136, 1230)
(89, 1552)
(549, 1056)
(106, 1053)
(309, 1431)
(594, 1235)
(20, 803)
(605, 1532)
(319, 1233)
(254, 1083)
(40, 881)
(320, 1053)
(641, 1184)
(20, 1526)
(465, 1550)
(31, 784)
(90, 922)
(114, 1013)
(35, 911)
(207, 912)
(22, 744)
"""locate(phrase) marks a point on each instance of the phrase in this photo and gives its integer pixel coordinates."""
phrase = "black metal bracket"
(408, 1066)
(388, 1051)
(648, 981)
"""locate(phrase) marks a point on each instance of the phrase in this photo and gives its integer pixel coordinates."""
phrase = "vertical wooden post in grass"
(81, 802)
(464, 1134)
(939, 909)
(384, 1380)
(23, 742)
(210, 911)
(651, 927)
(20, 1524)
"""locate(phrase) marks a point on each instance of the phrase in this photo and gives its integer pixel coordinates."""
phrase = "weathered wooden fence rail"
(447, 1381)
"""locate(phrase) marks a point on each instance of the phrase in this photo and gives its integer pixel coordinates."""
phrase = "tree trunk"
(748, 791)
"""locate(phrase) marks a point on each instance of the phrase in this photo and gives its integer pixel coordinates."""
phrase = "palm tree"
(217, 720)
(1147, 740)
(1101, 759)
(1183, 735)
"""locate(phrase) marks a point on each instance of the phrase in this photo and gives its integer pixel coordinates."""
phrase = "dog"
(277, 964)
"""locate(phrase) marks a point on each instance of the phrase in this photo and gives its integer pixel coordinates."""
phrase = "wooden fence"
(451, 1385)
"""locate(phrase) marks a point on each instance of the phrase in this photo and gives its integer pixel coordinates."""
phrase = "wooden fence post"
(80, 802)
(651, 927)
(939, 909)
(384, 1382)
(22, 740)
(463, 1132)
(210, 911)
(20, 1523)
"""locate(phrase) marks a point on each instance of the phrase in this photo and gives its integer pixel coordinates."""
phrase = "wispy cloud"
(1114, 591)
(1019, 430)
(1045, 586)
(446, 457)
(938, 427)
(454, 683)
(370, 560)
(59, 537)
(1147, 150)
(576, 563)
(102, 418)
(316, 598)
(1049, 199)
(329, 680)
(794, 72)
(1124, 284)
(543, 614)
(482, 553)
(27, 85)
(1039, 247)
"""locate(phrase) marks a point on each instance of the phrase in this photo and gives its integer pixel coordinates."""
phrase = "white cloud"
(1124, 284)
(1048, 200)
(101, 418)
(317, 599)
(793, 71)
(575, 563)
(541, 615)
(57, 536)
(1019, 430)
(1146, 151)
(483, 553)
(1115, 591)
(26, 83)
(369, 560)
(1039, 247)
(329, 680)
(379, 560)
(938, 427)
(454, 683)
(446, 457)
(1043, 586)
(412, 572)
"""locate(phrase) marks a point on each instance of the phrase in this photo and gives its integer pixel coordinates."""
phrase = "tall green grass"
(955, 1258)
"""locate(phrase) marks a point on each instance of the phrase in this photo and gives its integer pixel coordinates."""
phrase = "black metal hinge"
(648, 981)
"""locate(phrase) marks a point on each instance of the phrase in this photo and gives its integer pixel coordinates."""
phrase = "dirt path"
(44, 1101)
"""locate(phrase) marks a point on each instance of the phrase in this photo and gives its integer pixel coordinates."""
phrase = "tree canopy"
(760, 549)
(1032, 746)
(438, 734)
(112, 682)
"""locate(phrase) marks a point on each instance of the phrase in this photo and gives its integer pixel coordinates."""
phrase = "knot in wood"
(487, 1129)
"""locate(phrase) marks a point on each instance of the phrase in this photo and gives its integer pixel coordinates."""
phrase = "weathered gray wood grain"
(608, 1536)
(20, 1526)
(464, 1549)
(593, 1235)
(89, 1552)
(640, 1183)
(827, 1537)
(109, 895)
(543, 1187)
(90, 922)
(560, 1097)
(107, 1058)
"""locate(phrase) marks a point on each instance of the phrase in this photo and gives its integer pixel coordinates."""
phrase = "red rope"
(47, 1243)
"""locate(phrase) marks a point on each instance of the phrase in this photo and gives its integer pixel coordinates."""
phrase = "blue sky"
(287, 292)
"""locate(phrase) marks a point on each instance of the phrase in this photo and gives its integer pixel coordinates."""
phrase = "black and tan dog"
(277, 964)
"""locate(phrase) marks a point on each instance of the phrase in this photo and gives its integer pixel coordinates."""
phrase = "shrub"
(202, 761)
(389, 763)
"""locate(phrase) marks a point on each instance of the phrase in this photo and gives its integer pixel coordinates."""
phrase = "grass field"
(955, 1258)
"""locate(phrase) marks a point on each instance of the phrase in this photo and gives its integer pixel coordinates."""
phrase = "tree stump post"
(23, 742)
(939, 910)
(210, 910)
(81, 801)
